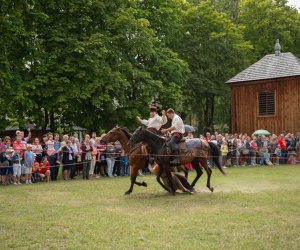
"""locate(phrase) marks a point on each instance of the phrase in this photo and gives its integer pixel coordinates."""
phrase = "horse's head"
(136, 137)
(112, 136)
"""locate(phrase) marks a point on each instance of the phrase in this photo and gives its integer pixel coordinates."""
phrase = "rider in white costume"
(155, 121)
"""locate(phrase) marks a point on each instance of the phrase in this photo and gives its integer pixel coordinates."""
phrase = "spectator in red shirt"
(44, 169)
(19, 145)
(281, 141)
(282, 145)
(207, 137)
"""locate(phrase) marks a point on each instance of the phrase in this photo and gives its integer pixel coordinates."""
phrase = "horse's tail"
(215, 156)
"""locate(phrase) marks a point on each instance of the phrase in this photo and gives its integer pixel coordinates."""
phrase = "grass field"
(251, 208)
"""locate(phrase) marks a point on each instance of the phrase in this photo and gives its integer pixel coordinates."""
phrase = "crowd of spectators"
(242, 149)
(27, 160)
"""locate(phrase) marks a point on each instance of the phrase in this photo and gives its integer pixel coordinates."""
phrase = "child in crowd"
(28, 160)
(16, 160)
(3, 165)
(265, 156)
(44, 169)
(10, 169)
(35, 176)
(277, 155)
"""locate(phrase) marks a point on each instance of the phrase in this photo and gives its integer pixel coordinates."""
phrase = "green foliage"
(215, 50)
(97, 63)
(267, 20)
(90, 63)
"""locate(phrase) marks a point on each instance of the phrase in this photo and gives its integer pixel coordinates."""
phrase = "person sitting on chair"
(177, 131)
(155, 121)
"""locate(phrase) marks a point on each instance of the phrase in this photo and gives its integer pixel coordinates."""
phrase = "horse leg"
(184, 170)
(140, 165)
(199, 171)
(133, 174)
(159, 180)
(170, 179)
(208, 172)
(143, 184)
(184, 182)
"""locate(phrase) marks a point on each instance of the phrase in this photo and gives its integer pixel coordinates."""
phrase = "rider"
(155, 121)
(177, 131)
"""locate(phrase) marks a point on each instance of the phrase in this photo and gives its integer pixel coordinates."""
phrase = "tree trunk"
(209, 113)
(199, 113)
(52, 121)
(46, 120)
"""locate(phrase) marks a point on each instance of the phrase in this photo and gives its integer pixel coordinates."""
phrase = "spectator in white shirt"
(21, 133)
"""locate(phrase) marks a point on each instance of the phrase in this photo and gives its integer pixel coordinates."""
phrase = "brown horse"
(137, 154)
(197, 155)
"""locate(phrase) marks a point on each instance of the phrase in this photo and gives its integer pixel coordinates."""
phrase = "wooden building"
(267, 95)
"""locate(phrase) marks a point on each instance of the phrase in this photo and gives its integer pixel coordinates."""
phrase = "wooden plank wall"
(244, 105)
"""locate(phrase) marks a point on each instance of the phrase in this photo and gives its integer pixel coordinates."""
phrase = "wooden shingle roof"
(270, 67)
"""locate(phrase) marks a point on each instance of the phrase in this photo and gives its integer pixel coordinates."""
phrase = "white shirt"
(75, 149)
(214, 142)
(50, 149)
(155, 122)
(37, 149)
(177, 123)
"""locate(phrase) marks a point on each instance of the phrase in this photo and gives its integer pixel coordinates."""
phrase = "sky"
(295, 3)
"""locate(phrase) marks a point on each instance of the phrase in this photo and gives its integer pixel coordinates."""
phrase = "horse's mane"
(126, 132)
(155, 136)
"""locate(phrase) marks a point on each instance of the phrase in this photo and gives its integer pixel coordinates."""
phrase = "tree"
(12, 66)
(215, 50)
(267, 20)
(90, 63)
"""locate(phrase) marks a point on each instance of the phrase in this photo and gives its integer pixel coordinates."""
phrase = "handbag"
(4, 164)
(88, 156)
(245, 151)
(278, 152)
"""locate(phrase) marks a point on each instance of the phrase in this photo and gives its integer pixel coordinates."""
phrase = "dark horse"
(137, 154)
(197, 156)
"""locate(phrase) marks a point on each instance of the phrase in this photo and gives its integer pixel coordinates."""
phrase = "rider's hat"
(153, 108)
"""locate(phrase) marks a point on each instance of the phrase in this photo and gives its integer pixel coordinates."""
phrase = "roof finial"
(277, 48)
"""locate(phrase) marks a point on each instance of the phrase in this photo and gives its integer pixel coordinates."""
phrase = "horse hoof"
(127, 192)
(193, 190)
(144, 184)
(212, 189)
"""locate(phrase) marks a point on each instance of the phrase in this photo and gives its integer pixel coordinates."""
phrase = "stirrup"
(175, 161)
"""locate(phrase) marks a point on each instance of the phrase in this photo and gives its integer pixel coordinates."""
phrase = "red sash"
(153, 130)
(178, 135)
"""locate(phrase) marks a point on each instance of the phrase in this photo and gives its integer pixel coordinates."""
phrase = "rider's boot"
(175, 160)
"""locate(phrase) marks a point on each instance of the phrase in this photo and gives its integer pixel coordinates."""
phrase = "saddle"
(186, 145)
(167, 139)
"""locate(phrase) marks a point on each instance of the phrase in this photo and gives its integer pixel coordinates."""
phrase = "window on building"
(266, 103)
